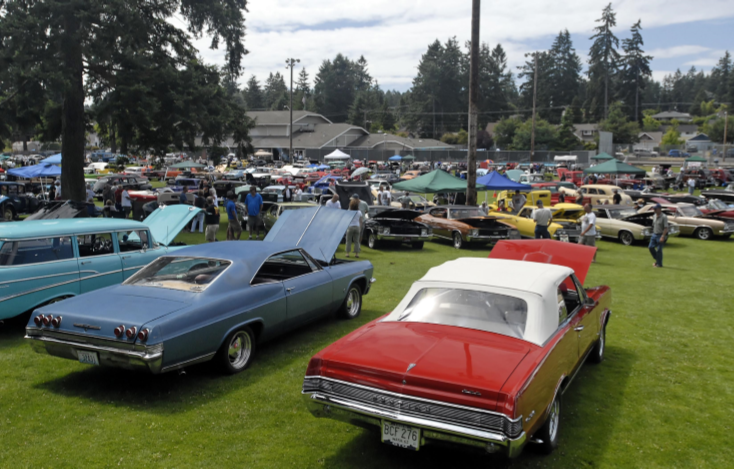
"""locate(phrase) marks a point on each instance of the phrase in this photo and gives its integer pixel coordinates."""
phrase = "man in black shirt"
(617, 199)
(199, 218)
(211, 218)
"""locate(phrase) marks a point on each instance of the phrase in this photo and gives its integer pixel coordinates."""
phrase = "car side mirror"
(590, 302)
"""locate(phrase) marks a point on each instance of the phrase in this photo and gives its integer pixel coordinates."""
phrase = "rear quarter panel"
(346, 274)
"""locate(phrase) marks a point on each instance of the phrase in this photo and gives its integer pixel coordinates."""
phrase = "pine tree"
(303, 83)
(544, 86)
(276, 93)
(720, 77)
(635, 68)
(567, 139)
(254, 95)
(387, 120)
(603, 63)
(565, 74)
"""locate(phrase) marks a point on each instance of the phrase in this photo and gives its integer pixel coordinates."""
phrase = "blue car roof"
(63, 226)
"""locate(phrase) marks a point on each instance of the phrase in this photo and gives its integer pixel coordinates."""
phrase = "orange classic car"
(462, 224)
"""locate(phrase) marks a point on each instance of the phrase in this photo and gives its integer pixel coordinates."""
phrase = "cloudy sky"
(392, 35)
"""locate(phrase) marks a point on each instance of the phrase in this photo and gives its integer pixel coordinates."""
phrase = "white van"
(95, 168)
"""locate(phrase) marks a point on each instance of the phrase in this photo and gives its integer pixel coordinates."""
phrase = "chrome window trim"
(77, 233)
(280, 281)
(231, 263)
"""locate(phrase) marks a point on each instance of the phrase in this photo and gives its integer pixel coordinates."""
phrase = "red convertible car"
(478, 353)
(718, 208)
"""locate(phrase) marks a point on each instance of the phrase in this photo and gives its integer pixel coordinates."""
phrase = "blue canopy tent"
(53, 159)
(38, 171)
(323, 166)
(495, 181)
(395, 158)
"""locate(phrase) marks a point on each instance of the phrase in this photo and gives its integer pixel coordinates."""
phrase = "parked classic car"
(717, 208)
(468, 356)
(15, 201)
(622, 222)
(272, 211)
(56, 209)
(647, 196)
(725, 195)
(597, 194)
(213, 301)
(42, 262)
(137, 183)
(395, 226)
(693, 222)
(564, 226)
(462, 224)
(556, 189)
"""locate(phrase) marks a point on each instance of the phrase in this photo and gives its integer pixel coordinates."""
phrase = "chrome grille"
(479, 419)
(500, 232)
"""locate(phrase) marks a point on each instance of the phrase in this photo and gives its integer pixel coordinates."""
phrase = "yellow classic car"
(566, 223)
(504, 199)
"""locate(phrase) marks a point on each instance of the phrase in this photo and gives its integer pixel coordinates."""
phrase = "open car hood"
(168, 221)
(318, 230)
(574, 256)
(55, 209)
(397, 215)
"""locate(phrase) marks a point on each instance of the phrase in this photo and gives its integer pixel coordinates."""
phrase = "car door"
(587, 325)
(437, 219)
(136, 251)
(99, 262)
(525, 222)
(604, 223)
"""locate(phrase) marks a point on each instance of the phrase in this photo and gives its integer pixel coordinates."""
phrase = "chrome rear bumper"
(363, 415)
(139, 357)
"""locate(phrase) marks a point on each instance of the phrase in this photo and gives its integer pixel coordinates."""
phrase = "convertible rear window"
(179, 273)
(472, 309)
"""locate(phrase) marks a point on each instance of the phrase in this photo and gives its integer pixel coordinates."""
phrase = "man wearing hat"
(659, 235)
(639, 204)
(542, 217)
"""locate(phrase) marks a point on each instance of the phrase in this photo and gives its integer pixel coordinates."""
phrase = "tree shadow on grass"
(13, 330)
(587, 423)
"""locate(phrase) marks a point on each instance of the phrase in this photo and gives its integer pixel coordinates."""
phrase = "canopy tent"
(435, 181)
(360, 171)
(614, 166)
(602, 156)
(395, 158)
(263, 154)
(408, 158)
(323, 183)
(696, 159)
(494, 181)
(565, 158)
(37, 171)
(53, 159)
(187, 164)
(337, 155)
(323, 166)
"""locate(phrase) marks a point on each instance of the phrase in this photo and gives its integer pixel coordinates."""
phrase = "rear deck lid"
(574, 256)
(318, 230)
(168, 221)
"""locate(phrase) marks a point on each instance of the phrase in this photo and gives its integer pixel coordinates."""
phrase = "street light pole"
(535, 94)
(290, 63)
(726, 124)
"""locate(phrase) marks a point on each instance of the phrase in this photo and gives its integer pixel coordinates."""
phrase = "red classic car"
(556, 188)
(718, 208)
(479, 352)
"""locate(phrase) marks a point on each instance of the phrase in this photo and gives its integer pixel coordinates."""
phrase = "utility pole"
(637, 96)
(290, 63)
(433, 100)
(726, 124)
(471, 180)
(535, 94)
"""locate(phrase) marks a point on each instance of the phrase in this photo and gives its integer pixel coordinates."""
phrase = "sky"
(392, 35)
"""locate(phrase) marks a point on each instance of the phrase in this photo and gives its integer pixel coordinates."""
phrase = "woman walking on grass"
(354, 228)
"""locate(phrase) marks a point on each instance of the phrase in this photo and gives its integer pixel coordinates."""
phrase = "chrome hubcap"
(240, 349)
(457, 241)
(353, 302)
(601, 343)
(553, 420)
(371, 241)
(704, 234)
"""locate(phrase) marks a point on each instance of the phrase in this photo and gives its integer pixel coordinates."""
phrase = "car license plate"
(564, 238)
(399, 435)
(90, 358)
(407, 240)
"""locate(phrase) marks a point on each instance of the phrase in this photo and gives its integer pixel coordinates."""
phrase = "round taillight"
(143, 335)
(130, 333)
(38, 320)
(56, 322)
(119, 330)
(47, 320)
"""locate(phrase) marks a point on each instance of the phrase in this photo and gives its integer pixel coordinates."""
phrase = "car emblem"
(410, 367)
(87, 326)
(473, 393)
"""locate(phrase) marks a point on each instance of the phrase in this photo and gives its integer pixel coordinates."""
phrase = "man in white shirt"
(588, 229)
(542, 217)
(386, 197)
(127, 203)
(334, 203)
(691, 185)
(518, 202)
(379, 195)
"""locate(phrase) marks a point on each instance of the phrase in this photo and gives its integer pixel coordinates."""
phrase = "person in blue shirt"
(253, 204)
(234, 229)
(182, 198)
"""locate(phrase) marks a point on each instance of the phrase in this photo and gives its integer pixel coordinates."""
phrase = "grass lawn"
(664, 396)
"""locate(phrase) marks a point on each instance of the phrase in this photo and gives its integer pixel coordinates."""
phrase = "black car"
(136, 183)
(224, 186)
(725, 195)
(56, 209)
(15, 201)
(395, 226)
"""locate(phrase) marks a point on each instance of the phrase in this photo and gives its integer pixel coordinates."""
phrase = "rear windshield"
(484, 311)
(179, 273)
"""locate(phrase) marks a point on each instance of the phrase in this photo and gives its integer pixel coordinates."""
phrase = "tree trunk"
(72, 127)
(471, 179)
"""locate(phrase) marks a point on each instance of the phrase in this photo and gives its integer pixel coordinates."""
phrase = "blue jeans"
(656, 249)
(541, 232)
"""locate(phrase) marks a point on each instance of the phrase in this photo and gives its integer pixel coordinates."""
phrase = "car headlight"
(474, 233)
(647, 232)
(385, 230)
(424, 232)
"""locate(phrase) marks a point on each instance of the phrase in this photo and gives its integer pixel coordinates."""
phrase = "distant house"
(686, 130)
(648, 141)
(670, 115)
(586, 132)
(701, 142)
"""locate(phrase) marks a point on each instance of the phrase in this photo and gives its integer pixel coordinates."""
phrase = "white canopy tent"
(572, 158)
(337, 155)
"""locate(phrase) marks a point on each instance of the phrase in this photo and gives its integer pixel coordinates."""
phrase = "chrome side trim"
(28, 279)
(36, 290)
(193, 361)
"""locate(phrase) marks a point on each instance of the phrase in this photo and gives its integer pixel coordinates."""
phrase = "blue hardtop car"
(44, 261)
(215, 301)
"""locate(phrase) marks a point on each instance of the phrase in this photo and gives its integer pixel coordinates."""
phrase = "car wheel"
(372, 241)
(548, 433)
(237, 351)
(626, 238)
(417, 245)
(597, 354)
(458, 241)
(7, 214)
(703, 233)
(352, 305)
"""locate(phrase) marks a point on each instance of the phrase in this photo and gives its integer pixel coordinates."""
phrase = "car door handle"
(289, 289)
(86, 262)
(579, 329)
(126, 257)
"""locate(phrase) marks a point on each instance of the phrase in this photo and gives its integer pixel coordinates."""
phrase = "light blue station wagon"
(48, 260)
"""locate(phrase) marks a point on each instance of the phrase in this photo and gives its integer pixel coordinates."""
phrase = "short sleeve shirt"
(231, 210)
(589, 220)
(659, 223)
(253, 204)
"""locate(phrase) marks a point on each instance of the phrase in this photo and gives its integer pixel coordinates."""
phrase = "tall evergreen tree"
(276, 93)
(544, 91)
(496, 84)
(635, 68)
(254, 94)
(335, 88)
(603, 63)
(720, 77)
(303, 83)
(565, 74)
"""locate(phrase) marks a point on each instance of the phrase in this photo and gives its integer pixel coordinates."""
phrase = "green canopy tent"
(696, 159)
(187, 164)
(614, 166)
(602, 156)
(435, 181)
(409, 158)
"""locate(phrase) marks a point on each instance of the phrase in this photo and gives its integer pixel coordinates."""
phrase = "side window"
(583, 190)
(281, 267)
(601, 214)
(34, 251)
(562, 309)
(593, 192)
(439, 213)
(95, 245)
(527, 213)
(570, 294)
(274, 210)
(13, 190)
(136, 240)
